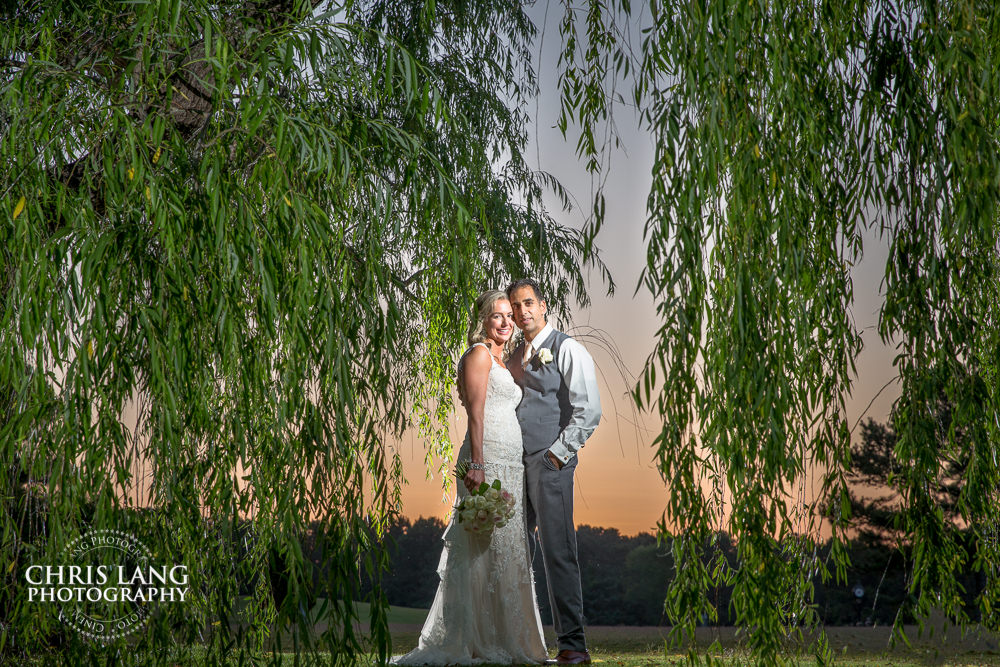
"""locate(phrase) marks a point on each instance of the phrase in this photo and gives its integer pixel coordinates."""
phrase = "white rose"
(545, 355)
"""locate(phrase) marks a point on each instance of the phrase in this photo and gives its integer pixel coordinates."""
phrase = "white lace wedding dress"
(485, 609)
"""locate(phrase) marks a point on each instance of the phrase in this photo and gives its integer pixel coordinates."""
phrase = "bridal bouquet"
(490, 506)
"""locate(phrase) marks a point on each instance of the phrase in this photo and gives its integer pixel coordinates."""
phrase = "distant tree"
(874, 479)
(620, 576)
(874, 503)
(413, 577)
(608, 572)
(881, 556)
(647, 573)
(880, 570)
(602, 555)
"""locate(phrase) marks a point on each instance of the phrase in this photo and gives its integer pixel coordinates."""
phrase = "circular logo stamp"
(106, 584)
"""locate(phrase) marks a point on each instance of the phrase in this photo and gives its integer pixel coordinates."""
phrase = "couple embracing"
(530, 408)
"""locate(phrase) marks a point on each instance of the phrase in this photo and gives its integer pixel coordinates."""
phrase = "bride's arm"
(473, 377)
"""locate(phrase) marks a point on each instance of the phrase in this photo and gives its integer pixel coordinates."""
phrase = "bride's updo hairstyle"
(485, 304)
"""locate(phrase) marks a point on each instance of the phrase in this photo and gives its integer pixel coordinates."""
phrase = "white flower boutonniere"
(545, 355)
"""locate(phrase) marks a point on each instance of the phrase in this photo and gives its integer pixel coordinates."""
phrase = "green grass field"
(651, 660)
(647, 646)
(397, 615)
(635, 647)
(643, 650)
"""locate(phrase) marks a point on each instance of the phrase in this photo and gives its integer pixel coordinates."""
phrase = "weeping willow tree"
(239, 246)
(787, 134)
(241, 239)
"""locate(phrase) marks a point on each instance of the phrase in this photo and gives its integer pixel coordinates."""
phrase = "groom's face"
(529, 311)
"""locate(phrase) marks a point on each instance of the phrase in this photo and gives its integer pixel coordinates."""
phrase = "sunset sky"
(617, 484)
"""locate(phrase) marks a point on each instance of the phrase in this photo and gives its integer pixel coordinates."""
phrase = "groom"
(559, 411)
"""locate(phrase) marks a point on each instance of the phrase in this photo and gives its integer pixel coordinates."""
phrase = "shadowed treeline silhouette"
(625, 578)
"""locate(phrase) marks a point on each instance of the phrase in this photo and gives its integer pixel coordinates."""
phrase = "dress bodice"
(501, 432)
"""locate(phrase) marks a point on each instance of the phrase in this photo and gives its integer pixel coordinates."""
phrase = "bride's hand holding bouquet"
(488, 507)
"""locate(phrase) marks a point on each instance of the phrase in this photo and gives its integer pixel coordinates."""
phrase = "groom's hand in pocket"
(556, 462)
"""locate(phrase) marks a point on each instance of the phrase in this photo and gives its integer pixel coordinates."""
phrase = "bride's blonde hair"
(483, 309)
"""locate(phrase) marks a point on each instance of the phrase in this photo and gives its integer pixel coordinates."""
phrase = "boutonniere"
(545, 355)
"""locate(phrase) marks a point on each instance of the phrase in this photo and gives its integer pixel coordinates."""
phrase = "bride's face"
(499, 325)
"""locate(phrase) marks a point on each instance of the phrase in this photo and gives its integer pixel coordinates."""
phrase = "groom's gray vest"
(545, 409)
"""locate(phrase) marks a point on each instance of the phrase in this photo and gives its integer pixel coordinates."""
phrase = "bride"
(485, 609)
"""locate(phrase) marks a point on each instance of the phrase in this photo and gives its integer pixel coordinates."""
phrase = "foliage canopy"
(241, 242)
(787, 133)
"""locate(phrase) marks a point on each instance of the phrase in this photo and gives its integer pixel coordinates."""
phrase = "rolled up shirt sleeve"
(577, 368)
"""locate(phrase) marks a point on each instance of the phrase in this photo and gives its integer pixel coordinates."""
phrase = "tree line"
(625, 577)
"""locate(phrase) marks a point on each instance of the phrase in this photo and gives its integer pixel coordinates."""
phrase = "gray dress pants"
(549, 507)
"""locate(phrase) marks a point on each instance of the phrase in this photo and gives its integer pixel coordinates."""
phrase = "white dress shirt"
(577, 369)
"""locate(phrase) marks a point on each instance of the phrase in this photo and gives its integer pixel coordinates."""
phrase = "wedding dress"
(485, 609)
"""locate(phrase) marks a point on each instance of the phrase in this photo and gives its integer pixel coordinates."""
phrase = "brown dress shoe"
(567, 657)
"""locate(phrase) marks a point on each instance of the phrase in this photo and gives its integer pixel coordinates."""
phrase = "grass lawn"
(397, 615)
(652, 660)
(646, 646)
(643, 647)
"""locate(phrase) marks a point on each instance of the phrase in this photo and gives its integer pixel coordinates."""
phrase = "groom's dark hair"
(527, 282)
